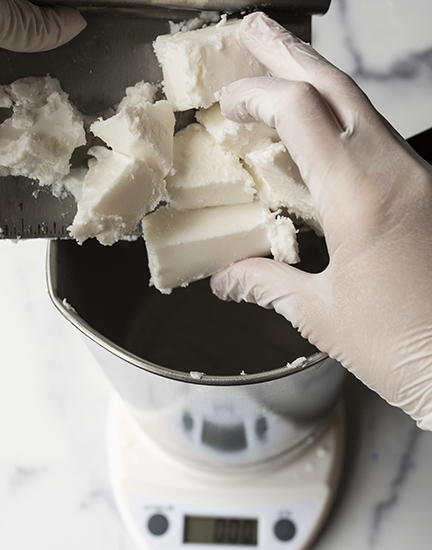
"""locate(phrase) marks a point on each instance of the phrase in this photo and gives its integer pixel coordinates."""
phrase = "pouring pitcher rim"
(192, 377)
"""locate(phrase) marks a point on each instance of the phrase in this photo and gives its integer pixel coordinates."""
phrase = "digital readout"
(210, 530)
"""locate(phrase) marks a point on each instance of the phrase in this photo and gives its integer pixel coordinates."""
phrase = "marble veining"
(22, 475)
(386, 47)
(55, 490)
(405, 466)
(94, 497)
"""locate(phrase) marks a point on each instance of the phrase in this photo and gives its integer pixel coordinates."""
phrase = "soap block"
(38, 140)
(279, 184)
(144, 131)
(206, 174)
(197, 64)
(233, 136)
(183, 247)
(118, 192)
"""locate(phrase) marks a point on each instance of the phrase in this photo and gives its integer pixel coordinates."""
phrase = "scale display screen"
(219, 530)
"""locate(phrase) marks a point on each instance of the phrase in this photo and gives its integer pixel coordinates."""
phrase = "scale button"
(284, 529)
(158, 524)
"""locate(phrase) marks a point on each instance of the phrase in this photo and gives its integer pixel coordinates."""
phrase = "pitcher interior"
(188, 330)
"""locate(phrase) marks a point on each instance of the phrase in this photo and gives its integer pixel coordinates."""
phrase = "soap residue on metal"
(196, 375)
(67, 305)
(300, 361)
(204, 18)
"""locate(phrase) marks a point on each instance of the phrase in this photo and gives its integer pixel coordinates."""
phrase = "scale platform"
(168, 504)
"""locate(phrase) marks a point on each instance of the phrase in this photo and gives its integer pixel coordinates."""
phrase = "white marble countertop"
(54, 486)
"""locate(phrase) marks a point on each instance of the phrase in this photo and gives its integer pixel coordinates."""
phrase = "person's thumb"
(25, 27)
(268, 283)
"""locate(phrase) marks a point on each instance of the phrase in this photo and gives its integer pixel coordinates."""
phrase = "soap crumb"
(242, 373)
(67, 305)
(141, 92)
(282, 236)
(71, 184)
(296, 363)
(5, 99)
(223, 20)
(130, 238)
(196, 375)
(205, 18)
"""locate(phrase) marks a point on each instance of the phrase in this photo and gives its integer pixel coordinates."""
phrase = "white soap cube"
(279, 184)
(118, 192)
(197, 64)
(233, 136)
(144, 131)
(186, 246)
(38, 140)
(206, 174)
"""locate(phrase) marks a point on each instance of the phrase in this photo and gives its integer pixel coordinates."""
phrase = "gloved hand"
(28, 28)
(371, 308)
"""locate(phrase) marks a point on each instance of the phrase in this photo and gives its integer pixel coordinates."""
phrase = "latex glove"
(25, 27)
(371, 309)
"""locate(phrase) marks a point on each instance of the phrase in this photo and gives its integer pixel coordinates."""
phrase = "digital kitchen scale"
(168, 504)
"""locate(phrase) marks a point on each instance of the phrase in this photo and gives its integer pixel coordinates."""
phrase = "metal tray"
(113, 52)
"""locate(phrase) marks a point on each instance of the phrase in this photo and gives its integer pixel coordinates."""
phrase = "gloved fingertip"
(258, 27)
(250, 280)
(235, 283)
(72, 23)
(257, 24)
(425, 423)
(219, 284)
(77, 20)
(231, 108)
(39, 29)
(236, 99)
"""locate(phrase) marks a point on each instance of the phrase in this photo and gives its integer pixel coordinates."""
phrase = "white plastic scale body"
(167, 504)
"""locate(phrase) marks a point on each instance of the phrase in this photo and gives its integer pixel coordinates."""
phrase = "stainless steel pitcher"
(213, 383)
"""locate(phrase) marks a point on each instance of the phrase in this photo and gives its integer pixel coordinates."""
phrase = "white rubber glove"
(25, 27)
(371, 309)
